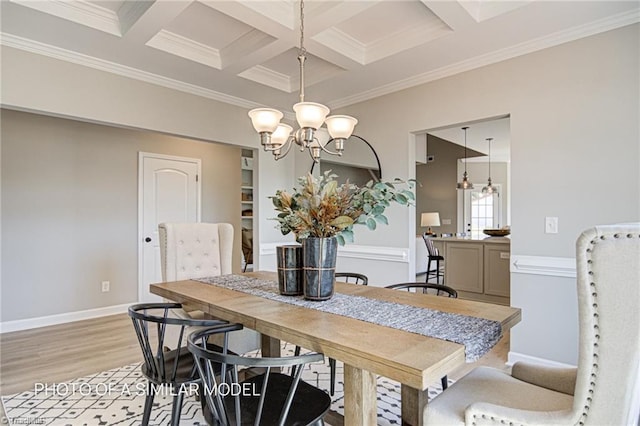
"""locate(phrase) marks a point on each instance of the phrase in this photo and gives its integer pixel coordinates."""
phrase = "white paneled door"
(169, 191)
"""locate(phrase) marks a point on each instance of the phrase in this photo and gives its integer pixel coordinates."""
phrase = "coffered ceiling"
(244, 52)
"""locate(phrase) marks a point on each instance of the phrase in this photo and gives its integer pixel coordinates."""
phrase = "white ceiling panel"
(244, 52)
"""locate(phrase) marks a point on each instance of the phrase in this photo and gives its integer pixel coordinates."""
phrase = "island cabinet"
(477, 269)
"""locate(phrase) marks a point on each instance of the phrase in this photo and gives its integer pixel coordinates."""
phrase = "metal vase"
(319, 267)
(289, 269)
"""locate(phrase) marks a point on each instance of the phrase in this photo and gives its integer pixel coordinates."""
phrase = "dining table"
(367, 349)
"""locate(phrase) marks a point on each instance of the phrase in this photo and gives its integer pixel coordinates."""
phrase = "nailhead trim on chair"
(596, 327)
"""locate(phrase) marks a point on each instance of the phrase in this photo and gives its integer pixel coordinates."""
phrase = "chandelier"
(466, 183)
(489, 189)
(278, 138)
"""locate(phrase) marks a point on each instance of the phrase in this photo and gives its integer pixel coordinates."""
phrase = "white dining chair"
(604, 389)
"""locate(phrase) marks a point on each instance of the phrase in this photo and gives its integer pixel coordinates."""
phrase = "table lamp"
(430, 219)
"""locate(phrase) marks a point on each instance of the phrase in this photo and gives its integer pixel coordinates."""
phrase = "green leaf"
(401, 199)
(340, 239)
(382, 219)
(371, 224)
(347, 235)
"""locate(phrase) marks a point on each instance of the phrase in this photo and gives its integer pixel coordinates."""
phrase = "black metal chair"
(351, 278)
(254, 391)
(433, 256)
(167, 362)
(428, 288)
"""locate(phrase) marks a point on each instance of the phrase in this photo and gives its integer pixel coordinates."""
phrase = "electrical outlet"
(106, 286)
(551, 225)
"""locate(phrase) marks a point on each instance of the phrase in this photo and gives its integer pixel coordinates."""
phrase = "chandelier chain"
(302, 52)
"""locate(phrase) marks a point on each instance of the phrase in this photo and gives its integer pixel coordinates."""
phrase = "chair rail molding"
(388, 254)
(542, 265)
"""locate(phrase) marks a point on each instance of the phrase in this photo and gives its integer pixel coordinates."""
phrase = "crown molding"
(268, 77)
(342, 43)
(31, 46)
(607, 24)
(186, 48)
(78, 11)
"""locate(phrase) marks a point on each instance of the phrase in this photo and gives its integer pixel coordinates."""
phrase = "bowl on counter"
(497, 232)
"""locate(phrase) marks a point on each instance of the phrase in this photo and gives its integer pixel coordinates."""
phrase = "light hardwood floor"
(63, 352)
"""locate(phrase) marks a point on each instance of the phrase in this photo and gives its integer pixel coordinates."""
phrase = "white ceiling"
(244, 52)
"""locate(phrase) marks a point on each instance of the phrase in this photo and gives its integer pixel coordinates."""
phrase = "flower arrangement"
(321, 208)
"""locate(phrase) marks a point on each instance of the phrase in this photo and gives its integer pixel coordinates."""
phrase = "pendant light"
(489, 189)
(466, 183)
(278, 138)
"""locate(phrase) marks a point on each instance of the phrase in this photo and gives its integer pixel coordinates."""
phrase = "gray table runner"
(478, 335)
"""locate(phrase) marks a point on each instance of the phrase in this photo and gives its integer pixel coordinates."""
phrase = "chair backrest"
(437, 289)
(162, 338)
(608, 279)
(431, 249)
(268, 397)
(352, 278)
(195, 250)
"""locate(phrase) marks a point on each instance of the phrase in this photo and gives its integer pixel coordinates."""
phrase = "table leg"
(270, 346)
(413, 403)
(360, 397)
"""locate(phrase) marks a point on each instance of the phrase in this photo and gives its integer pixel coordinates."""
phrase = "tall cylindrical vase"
(289, 260)
(319, 265)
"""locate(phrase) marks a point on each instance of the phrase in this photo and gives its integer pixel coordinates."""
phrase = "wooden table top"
(412, 359)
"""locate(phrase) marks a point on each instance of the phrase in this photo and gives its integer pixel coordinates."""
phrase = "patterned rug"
(116, 397)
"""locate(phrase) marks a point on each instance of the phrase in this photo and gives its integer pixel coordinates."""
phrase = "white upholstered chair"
(195, 250)
(605, 387)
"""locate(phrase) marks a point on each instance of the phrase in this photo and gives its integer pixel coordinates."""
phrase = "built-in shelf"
(246, 196)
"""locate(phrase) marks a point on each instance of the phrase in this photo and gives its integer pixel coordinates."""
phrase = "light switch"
(551, 225)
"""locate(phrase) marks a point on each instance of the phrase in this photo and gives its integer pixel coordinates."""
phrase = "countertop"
(489, 240)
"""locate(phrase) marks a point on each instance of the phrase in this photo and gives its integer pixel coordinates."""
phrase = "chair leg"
(148, 404)
(445, 382)
(438, 272)
(428, 270)
(332, 367)
(296, 352)
(176, 409)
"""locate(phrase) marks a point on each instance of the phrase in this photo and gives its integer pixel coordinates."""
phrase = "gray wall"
(70, 210)
(575, 155)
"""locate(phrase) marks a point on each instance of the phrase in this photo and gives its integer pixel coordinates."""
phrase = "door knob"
(148, 239)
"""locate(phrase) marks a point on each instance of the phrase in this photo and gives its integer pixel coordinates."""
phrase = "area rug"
(115, 397)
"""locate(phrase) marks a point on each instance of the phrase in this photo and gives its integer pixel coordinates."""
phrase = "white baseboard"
(26, 324)
(515, 357)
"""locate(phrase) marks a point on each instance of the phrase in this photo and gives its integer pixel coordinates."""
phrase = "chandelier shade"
(265, 120)
(340, 126)
(310, 114)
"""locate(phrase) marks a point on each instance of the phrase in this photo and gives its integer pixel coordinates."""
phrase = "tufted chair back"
(195, 250)
(608, 380)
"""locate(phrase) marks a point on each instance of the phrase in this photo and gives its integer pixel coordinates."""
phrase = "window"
(481, 211)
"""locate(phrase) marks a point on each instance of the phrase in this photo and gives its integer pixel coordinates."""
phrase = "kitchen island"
(478, 269)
